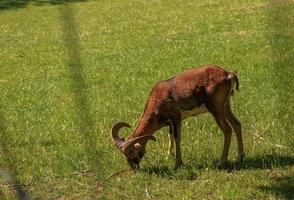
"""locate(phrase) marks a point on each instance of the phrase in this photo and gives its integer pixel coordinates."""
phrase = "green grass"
(68, 72)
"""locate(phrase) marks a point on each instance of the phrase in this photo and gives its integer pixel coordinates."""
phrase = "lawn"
(69, 71)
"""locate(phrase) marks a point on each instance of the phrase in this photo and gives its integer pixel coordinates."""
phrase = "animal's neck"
(145, 126)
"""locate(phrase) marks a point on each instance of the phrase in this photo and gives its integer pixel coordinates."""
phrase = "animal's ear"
(136, 143)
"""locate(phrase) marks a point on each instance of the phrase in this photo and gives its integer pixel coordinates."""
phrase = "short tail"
(235, 81)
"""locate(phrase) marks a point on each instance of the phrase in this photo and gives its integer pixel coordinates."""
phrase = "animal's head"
(133, 149)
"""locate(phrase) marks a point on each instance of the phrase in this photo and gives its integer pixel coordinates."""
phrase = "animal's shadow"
(189, 170)
(281, 186)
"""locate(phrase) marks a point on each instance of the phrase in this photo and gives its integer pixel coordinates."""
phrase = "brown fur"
(206, 87)
(186, 91)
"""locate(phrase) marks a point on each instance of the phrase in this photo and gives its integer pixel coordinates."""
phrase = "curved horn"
(142, 140)
(114, 133)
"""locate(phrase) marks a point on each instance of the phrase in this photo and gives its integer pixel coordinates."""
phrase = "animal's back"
(187, 90)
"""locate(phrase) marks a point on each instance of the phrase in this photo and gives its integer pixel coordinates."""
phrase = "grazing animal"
(193, 92)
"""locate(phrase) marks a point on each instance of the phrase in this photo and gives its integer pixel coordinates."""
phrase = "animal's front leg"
(171, 143)
(177, 135)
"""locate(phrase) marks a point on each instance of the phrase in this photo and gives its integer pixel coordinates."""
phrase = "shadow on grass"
(7, 166)
(267, 162)
(184, 173)
(79, 88)
(16, 4)
(281, 187)
(189, 171)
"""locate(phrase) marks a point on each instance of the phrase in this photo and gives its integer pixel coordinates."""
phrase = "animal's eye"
(132, 154)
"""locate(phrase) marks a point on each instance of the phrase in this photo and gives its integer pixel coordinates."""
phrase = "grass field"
(69, 71)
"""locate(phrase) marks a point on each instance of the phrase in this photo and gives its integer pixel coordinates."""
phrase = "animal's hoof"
(223, 165)
(178, 164)
(240, 158)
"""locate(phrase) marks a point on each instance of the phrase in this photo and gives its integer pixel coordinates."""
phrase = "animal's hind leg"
(216, 107)
(236, 125)
(227, 131)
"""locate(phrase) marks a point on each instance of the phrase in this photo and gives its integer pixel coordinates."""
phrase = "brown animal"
(193, 92)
